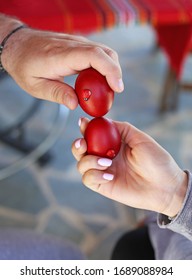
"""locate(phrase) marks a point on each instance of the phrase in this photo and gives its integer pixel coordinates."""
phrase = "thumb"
(132, 135)
(58, 92)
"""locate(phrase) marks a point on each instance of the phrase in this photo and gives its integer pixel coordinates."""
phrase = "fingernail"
(78, 144)
(104, 162)
(79, 122)
(120, 85)
(109, 119)
(70, 101)
(108, 177)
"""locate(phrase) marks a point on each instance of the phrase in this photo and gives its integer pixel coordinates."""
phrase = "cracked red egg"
(103, 138)
(94, 94)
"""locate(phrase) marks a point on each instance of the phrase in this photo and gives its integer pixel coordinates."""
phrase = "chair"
(172, 89)
(29, 140)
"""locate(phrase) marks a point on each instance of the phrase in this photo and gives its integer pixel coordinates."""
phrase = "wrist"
(4, 42)
(178, 195)
(7, 24)
(8, 27)
(12, 50)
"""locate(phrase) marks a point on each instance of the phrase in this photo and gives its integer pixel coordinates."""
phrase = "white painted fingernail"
(108, 176)
(104, 162)
(79, 122)
(120, 85)
(78, 144)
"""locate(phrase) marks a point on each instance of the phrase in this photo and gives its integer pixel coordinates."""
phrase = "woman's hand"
(38, 61)
(143, 175)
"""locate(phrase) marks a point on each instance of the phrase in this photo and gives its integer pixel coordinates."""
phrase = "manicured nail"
(79, 122)
(72, 103)
(104, 162)
(108, 177)
(69, 100)
(110, 120)
(78, 144)
(120, 85)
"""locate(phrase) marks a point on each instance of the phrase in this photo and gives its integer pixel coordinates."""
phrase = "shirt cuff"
(182, 223)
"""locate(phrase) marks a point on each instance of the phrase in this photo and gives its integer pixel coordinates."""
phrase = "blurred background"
(49, 197)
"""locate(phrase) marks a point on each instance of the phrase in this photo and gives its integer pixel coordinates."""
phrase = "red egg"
(93, 92)
(103, 138)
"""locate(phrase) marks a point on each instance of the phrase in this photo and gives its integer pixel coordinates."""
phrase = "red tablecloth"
(172, 19)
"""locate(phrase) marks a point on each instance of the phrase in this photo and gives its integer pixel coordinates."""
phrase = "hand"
(38, 61)
(143, 175)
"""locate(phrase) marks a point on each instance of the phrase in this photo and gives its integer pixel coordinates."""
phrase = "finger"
(56, 91)
(113, 54)
(110, 52)
(97, 180)
(132, 135)
(83, 40)
(103, 61)
(83, 122)
(93, 162)
(94, 56)
(79, 148)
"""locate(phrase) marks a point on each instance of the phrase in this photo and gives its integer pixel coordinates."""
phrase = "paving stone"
(21, 191)
(83, 200)
(64, 229)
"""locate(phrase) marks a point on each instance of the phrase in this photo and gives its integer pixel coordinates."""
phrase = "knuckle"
(79, 168)
(84, 180)
(82, 38)
(56, 94)
(95, 50)
(88, 179)
(112, 53)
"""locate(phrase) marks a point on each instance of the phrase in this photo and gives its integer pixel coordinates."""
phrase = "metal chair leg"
(169, 97)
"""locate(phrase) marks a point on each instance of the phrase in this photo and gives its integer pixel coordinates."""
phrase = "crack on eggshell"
(86, 94)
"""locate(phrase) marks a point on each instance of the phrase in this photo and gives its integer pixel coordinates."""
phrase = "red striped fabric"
(166, 12)
(86, 16)
(57, 15)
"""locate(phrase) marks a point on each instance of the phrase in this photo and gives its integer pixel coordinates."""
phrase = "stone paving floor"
(53, 200)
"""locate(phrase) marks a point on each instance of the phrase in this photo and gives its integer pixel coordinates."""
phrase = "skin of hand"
(143, 175)
(38, 61)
